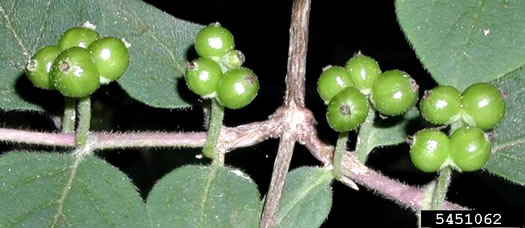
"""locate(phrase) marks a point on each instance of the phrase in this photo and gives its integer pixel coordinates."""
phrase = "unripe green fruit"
(202, 77)
(484, 104)
(237, 88)
(332, 81)
(440, 105)
(429, 150)
(39, 66)
(74, 73)
(111, 57)
(233, 59)
(470, 148)
(347, 110)
(214, 40)
(394, 93)
(77, 37)
(364, 71)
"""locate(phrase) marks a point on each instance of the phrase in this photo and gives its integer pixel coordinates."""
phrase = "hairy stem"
(402, 194)
(280, 170)
(440, 190)
(68, 119)
(84, 121)
(241, 136)
(210, 147)
(361, 148)
(340, 149)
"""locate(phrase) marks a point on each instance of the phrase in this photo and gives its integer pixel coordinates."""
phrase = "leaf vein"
(303, 195)
(86, 192)
(79, 154)
(7, 24)
(508, 144)
(31, 180)
(205, 195)
(174, 62)
(30, 212)
(44, 24)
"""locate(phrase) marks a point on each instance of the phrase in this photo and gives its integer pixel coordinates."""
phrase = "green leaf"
(385, 132)
(42, 189)
(467, 41)
(508, 149)
(306, 199)
(159, 46)
(202, 196)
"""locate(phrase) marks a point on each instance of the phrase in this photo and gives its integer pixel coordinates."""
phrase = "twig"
(295, 75)
(280, 170)
(292, 110)
(405, 195)
(241, 136)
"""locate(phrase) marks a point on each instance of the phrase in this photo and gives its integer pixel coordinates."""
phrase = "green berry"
(111, 57)
(440, 105)
(77, 37)
(484, 104)
(470, 148)
(74, 73)
(394, 93)
(429, 150)
(233, 59)
(364, 71)
(237, 88)
(347, 110)
(39, 66)
(213, 40)
(332, 81)
(202, 77)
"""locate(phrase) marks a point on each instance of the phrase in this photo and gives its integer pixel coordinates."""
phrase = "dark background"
(338, 29)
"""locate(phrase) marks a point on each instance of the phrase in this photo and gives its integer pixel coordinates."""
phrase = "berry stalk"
(440, 189)
(340, 148)
(68, 119)
(217, 115)
(84, 121)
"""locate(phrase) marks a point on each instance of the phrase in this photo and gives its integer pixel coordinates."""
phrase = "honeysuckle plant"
(472, 118)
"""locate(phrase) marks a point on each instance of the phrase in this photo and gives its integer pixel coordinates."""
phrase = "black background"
(338, 29)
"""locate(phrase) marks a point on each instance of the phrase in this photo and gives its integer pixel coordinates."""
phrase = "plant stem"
(340, 149)
(217, 115)
(361, 147)
(455, 125)
(84, 121)
(280, 171)
(206, 111)
(68, 119)
(440, 190)
(389, 188)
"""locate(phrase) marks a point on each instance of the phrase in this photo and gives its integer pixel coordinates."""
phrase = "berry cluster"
(345, 90)
(79, 63)
(480, 107)
(218, 73)
(467, 149)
